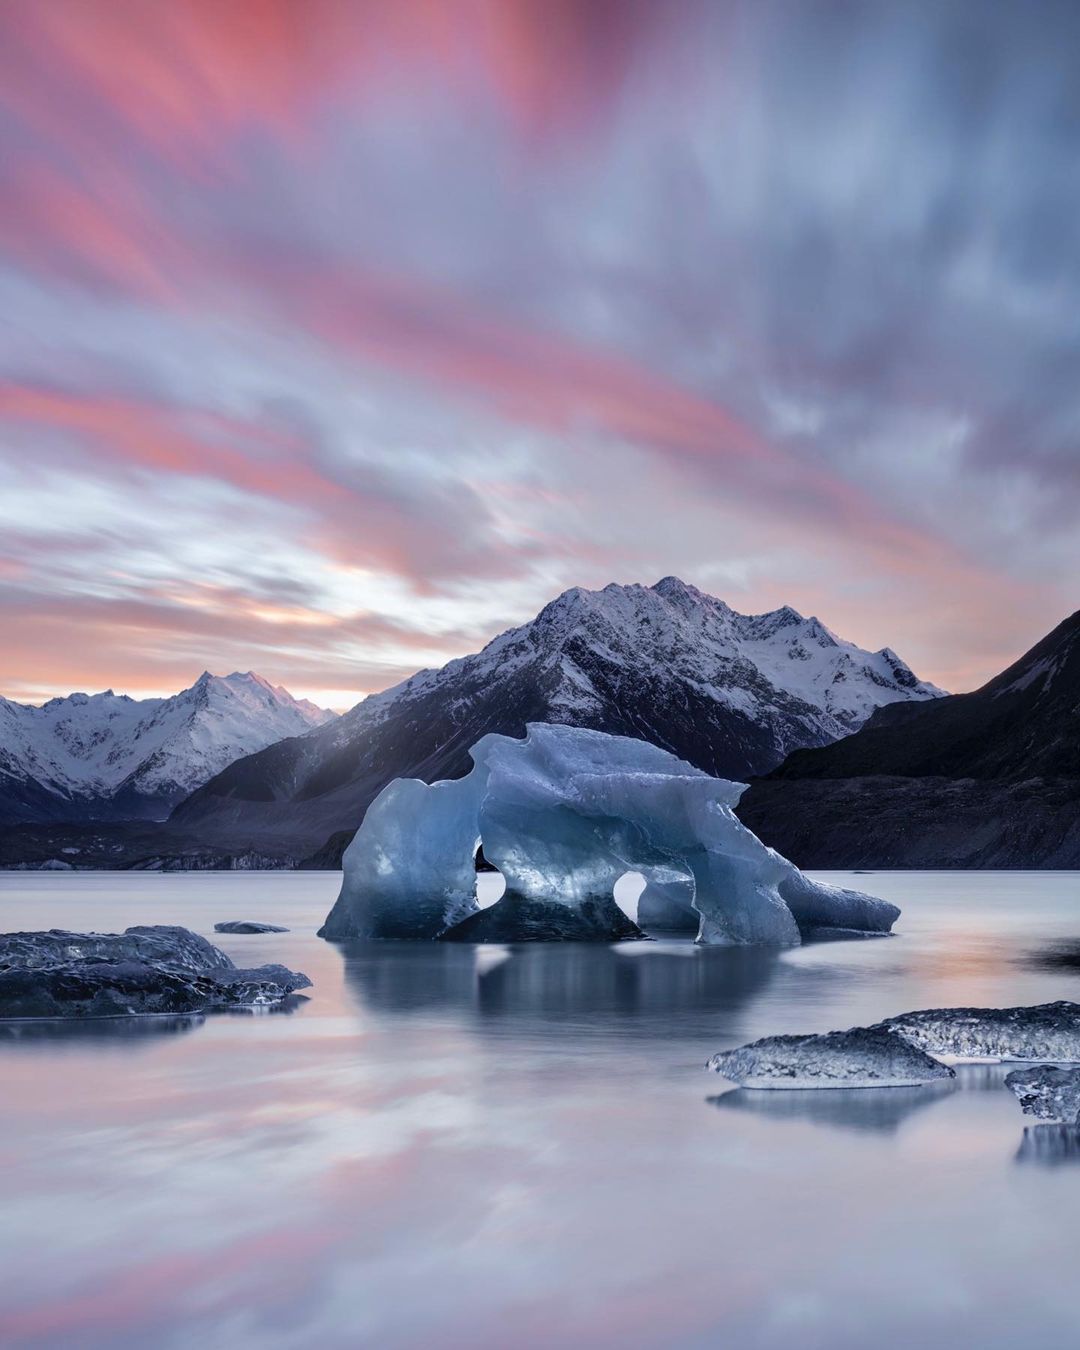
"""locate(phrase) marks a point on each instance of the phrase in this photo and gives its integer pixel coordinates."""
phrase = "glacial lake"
(488, 1147)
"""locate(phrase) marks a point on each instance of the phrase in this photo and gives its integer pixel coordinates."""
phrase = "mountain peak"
(673, 587)
(247, 677)
(688, 597)
(672, 625)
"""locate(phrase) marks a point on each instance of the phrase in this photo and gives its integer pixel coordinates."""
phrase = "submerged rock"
(247, 926)
(142, 970)
(1046, 1031)
(860, 1058)
(1047, 1092)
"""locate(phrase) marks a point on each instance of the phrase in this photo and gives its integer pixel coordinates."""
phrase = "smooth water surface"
(489, 1147)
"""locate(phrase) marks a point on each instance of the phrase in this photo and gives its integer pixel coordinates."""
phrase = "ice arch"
(667, 902)
(563, 814)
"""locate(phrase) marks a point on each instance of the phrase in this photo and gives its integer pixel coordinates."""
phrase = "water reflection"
(1050, 1145)
(659, 985)
(879, 1110)
(983, 1077)
(134, 1030)
(291, 1003)
(130, 1032)
(1056, 956)
(505, 1129)
(404, 977)
(815, 936)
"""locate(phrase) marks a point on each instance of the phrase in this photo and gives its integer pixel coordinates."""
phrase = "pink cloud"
(198, 161)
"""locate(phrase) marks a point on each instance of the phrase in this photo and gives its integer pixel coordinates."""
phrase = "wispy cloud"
(339, 336)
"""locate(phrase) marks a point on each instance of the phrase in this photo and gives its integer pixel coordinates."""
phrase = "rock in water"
(142, 970)
(1046, 1031)
(563, 814)
(1047, 1092)
(247, 926)
(863, 1057)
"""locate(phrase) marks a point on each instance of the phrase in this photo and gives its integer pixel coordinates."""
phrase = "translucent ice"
(863, 1057)
(1046, 1031)
(563, 814)
(667, 902)
(1048, 1092)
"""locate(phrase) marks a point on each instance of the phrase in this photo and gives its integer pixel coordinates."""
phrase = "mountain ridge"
(110, 756)
(667, 663)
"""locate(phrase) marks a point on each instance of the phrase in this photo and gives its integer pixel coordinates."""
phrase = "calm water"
(494, 1147)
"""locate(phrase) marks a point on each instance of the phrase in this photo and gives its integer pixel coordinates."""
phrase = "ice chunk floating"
(1048, 1092)
(863, 1057)
(145, 969)
(563, 814)
(1046, 1031)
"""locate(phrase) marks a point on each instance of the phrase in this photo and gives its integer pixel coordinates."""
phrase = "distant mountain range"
(110, 757)
(731, 693)
(987, 779)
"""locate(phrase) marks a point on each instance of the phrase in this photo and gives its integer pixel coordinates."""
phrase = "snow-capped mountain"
(785, 672)
(108, 756)
(731, 693)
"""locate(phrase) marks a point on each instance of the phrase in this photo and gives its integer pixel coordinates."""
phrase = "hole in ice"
(490, 882)
(627, 892)
(489, 888)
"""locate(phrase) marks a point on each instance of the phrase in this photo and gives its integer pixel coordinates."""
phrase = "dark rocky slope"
(986, 779)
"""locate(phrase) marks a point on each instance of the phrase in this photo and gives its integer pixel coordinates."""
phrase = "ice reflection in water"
(122, 1032)
(1050, 1145)
(512, 1146)
(882, 1110)
(659, 986)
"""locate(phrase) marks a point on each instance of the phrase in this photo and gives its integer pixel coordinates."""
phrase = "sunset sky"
(338, 335)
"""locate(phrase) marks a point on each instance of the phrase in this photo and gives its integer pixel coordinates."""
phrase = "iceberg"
(864, 1057)
(667, 902)
(903, 1051)
(247, 926)
(1047, 1092)
(146, 969)
(1044, 1031)
(563, 814)
(164, 945)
